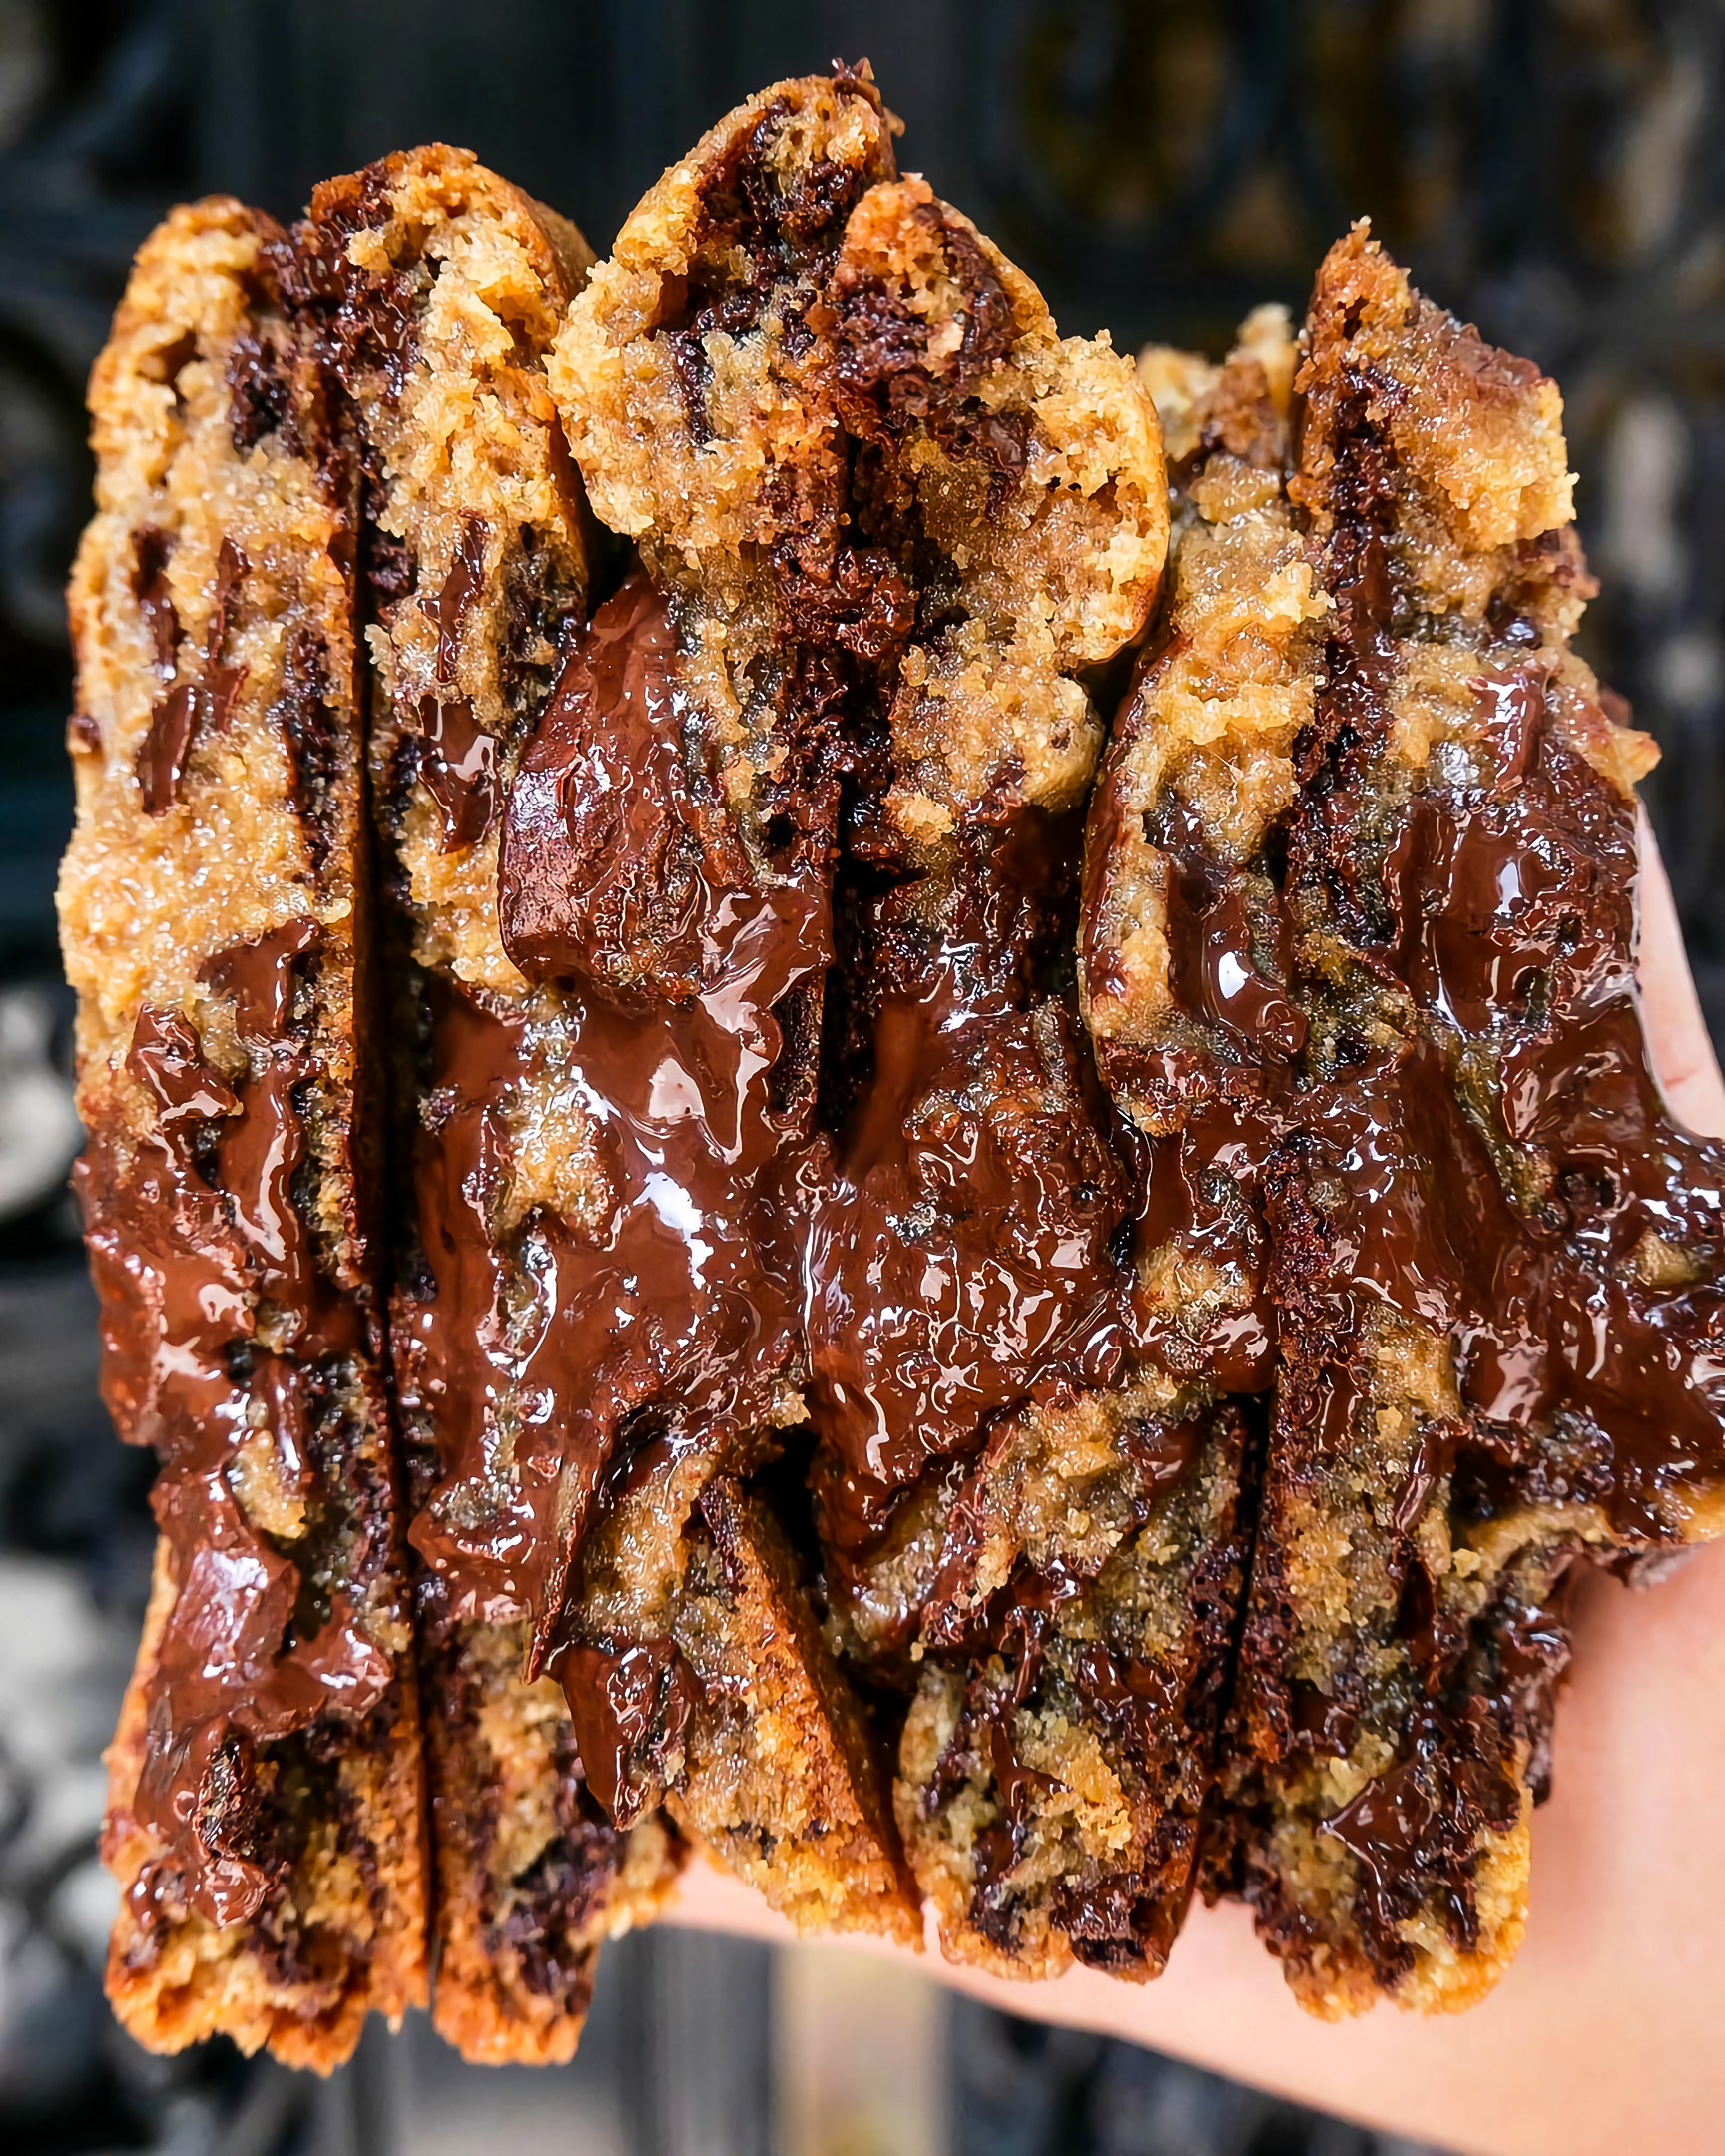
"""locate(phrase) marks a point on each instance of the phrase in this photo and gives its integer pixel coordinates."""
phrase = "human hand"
(1602, 2037)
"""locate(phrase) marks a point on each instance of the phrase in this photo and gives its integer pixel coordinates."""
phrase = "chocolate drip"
(998, 1848)
(959, 1251)
(167, 1059)
(680, 1299)
(1496, 1176)
(982, 1743)
(1531, 1644)
(1505, 1174)
(200, 1257)
(540, 1920)
(1160, 1717)
(963, 1258)
(1230, 947)
(1334, 756)
(459, 767)
(206, 702)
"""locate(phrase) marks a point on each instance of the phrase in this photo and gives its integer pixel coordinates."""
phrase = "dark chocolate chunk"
(458, 758)
(165, 748)
(615, 870)
(311, 735)
(259, 386)
(155, 602)
(630, 1706)
(259, 976)
(190, 706)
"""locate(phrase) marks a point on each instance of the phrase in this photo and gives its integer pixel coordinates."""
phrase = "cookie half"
(901, 528)
(667, 867)
(1359, 964)
(432, 288)
(265, 1783)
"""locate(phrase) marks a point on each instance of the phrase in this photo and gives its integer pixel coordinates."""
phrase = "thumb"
(1677, 1039)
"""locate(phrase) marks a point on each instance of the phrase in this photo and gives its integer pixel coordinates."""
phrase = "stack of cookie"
(741, 1227)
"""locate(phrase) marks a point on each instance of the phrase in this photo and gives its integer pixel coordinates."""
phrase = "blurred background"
(1552, 169)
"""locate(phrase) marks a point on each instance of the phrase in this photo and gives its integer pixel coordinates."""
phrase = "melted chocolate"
(192, 1244)
(458, 758)
(1216, 935)
(191, 705)
(258, 978)
(541, 1918)
(1506, 1209)
(167, 1059)
(1530, 1642)
(1155, 1457)
(981, 1743)
(616, 857)
(959, 1254)
(998, 1848)
(1134, 1699)
(458, 764)
(963, 1257)
(463, 583)
(538, 1343)
(1416, 1829)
